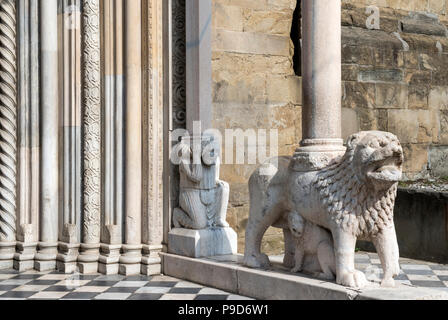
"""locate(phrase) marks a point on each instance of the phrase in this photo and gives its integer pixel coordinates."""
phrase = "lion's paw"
(259, 261)
(388, 283)
(355, 279)
(296, 269)
(289, 261)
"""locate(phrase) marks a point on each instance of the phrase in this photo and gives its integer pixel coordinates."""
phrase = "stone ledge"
(227, 273)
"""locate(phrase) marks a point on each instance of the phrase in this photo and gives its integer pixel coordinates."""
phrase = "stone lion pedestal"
(202, 243)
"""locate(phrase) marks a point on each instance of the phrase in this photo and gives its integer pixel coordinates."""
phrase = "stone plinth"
(227, 273)
(202, 243)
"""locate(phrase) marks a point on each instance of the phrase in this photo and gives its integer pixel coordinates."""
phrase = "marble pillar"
(8, 133)
(49, 175)
(168, 186)
(91, 86)
(69, 19)
(113, 142)
(152, 222)
(28, 125)
(131, 257)
(321, 80)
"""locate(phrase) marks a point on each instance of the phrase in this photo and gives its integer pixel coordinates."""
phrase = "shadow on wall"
(421, 221)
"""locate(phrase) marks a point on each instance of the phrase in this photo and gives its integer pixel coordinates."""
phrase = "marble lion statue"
(353, 198)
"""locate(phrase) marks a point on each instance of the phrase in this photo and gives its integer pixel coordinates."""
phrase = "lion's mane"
(352, 204)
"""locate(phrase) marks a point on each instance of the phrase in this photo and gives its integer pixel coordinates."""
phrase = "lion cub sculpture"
(314, 252)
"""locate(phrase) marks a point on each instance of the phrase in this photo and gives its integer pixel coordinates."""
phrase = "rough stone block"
(390, 96)
(379, 75)
(418, 97)
(202, 243)
(252, 43)
(404, 123)
(438, 161)
(227, 17)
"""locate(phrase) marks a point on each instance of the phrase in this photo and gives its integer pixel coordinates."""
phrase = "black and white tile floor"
(33, 285)
(413, 272)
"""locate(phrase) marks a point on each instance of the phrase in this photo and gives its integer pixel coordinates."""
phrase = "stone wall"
(394, 79)
(254, 87)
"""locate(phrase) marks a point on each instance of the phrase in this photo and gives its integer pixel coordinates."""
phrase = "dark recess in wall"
(296, 36)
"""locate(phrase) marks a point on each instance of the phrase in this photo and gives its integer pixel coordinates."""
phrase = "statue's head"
(377, 158)
(296, 224)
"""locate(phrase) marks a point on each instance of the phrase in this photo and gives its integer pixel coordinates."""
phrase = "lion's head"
(377, 158)
(359, 190)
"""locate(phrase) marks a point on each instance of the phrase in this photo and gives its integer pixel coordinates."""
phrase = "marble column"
(198, 22)
(29, 157)
(152, 223)
(49, 176)
(8, 133)
(70, 139)
(169, 186)
(91, 77)
(131, 257)
(321, 79)
(113, 149)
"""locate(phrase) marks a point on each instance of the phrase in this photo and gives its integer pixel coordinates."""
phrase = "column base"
(23, 266)
(108, 269)
(7, 251)
(202, 243)
(151, 261)
(67, 257)
(24, 257)
(88, 258)
(109, 258)
(43, 266)
(45, 259)
(88, 267)
(130, 260)
(316, 154)
(129, 269)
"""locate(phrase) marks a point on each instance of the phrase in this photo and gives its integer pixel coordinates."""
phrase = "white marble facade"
(81, 153)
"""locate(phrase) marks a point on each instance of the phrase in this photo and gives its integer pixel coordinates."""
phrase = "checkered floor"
(413, 272)
(34, 285)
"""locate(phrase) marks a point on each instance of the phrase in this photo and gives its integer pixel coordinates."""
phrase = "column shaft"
(152, 224)
(130, 262)
(8, 132)
(113, 144)
(321, 71)
(199, 63)
(91, 77)
(321, 65)
(28, 191)
(45, 259)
